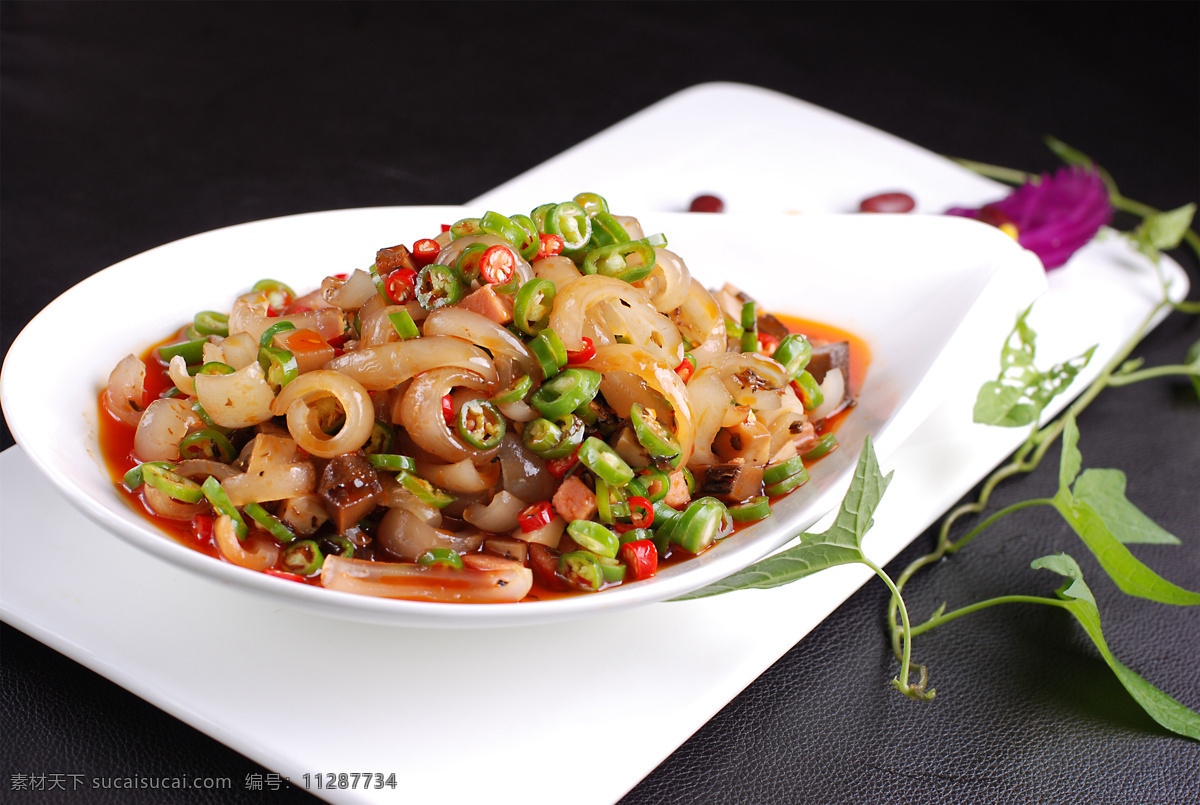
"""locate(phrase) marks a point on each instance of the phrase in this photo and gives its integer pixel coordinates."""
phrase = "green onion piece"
(405, 327)
(612, 573)
(528, 249)
(690, 480)
(551, 355)
(571, 222)
(480, 424)
(700, 525)
(751, 510)
(566, 392)
(606, 231)
(220, 501)
(581, 569)
(659, 442)
(425, 492)
(392, 462)
(191, 351)
(467, 264)
(630, 261)
(591, 536)
(275, 329)
(136, 476)
(215, 368)
(787, 484)
(380, 440)
(733, 329)
(441, 556)
(604, 462)
(303, 558)
(572, 429)
(531, 308)
(610, 502)
(652, 483)
(635, 535)
(810, 393)
(593, 203)
(269, 523)
(171, 483)
(794, 352)
(515, 392)
(749, 316)
(210, 322)
(465, 228)
(438, 286)
(538, 216)
(541, 436)
(775, 473)
(279, 365)
(658, 240)
(279, 294)
(824, 446)
(338, 546)
(207, 443)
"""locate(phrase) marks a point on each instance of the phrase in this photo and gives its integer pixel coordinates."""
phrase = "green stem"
(1000, 174)
(961, 543)
(1156, 371)
(946, 617)
(906, 653)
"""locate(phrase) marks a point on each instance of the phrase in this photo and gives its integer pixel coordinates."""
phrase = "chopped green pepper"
(751, 510)
(392, 462)
(210, 322)
(788, 484)
(403, 324)
(171, 483)
(591, 536)
(424, 491)
(438, 286)
(659, 442)
(515, 392)
(824, 446)
(208, 443)
(480, 424)
(551, 355)
(532, 306)
(303, 558)
(445, 557)
(571, 222)
(592, 203)
(136, 476)
(191, 351)
(809, 391)
(279, 365)
(275, 329)
(794, 352)
(604, 462)
(566, 392)
(221, 503)
(269, 523)
(630, 261)
(581, 570)
(775, 473)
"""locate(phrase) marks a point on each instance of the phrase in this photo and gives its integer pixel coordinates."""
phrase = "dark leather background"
(132, 124)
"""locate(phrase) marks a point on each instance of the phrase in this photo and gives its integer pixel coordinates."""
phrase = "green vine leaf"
(1099, 533)
(1193, 360)
(1080, 602)
(1019, 394)
(1104, 491)
(841, 544)
(1164, 230)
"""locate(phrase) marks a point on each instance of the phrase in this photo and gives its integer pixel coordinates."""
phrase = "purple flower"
(1052, 216)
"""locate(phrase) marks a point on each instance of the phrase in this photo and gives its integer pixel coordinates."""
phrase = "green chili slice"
(824, 446)
(303, 558)
(278, 293)
(571, 222)
(515, 392)
(700, 525)
(612, 572)
(207, 443)
(749, 328)
(635, 535)
(171, 483)
(467, 263)
(480, 424)
(794, 352)
(275, 329)
(200, 412)
(551, 355)
(631, 261)
(652, 484)
(220, 501)
(610, 502)
(733, 328)
(531, 308)
(269, 523)
(528, 249)
(215, 368)
(581, 569)
(787, 484)
(592, 203)
(465, 227)
(690, 480)
(541, 436)
(810, 392)
(775, 473)
(566, 392)
(190, 351)
(438, 286)
(210, 322)
(751, 510)
(425, 492)
(441, 556)
(538, 216)
(604, 462)
(392, 462)
(338, 546)
(572, 429)
(136, 476)
(659, 442)
(606, 231)
(279, 365)
(403, 324)
(380, 440)
(591, 536)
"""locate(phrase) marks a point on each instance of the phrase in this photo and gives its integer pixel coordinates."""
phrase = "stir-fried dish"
(546, 399)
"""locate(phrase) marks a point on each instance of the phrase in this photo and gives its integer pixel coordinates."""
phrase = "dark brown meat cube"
(388, 260)
(349, 488)
(732, 483)
(835, 355)
(772, 326)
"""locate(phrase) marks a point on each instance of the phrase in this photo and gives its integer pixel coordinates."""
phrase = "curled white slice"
(126, 390)
(274, 472)
(238, 400)
(659, 378)
(406, 536)
(351, 293)
(462, 476)
(389, 365)
(631, 225)
(421, 413)
(669, 281)
(304, 514)
(499, 516)
(483, 332)
(833, 390)
(249, 315)
(309, 388)
(239, 350)
(603, 304)
(549, 535)
(559, 270)
(501, 581)
(701, 320)
(177, 370)
(162, 427)
(732, 379)
(257, 552)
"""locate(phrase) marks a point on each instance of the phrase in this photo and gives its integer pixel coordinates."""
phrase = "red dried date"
(707, 203)
(888, 202)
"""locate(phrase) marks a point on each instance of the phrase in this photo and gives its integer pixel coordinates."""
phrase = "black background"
(129, 125)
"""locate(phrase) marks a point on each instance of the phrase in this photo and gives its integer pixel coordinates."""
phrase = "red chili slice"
(551, 246)
(582, 355)
(642, 558)
(283, 574)
(445, 227)
(425, 251)
(202, 529)
(536, 516)
(767, 344)
(543, 562)
(559, 467)
(497, 265)
(401, 285)
(686, 368)
(448, 409)
(641, 512)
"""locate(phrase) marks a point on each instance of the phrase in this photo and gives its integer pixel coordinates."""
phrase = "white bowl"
(902, 283)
